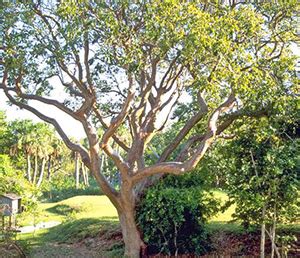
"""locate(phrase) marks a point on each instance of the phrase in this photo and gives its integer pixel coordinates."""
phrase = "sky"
(72, 127)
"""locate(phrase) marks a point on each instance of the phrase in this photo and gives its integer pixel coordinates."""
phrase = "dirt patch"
(105, 240)
(10, 250)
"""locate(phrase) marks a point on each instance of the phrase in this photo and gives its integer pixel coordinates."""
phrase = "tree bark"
(49, 169)
(41, 173)
(87, 176)
(35, 168)
(131, 235)
(28, 167)
(83, 170)
(273, 234)
(134, 245)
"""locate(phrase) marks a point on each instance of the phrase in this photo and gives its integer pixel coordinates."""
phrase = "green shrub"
(172, 219)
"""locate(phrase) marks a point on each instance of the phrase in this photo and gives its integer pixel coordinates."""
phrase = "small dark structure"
(10, 205)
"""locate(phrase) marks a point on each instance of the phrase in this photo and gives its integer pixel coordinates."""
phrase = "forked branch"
(182, 167)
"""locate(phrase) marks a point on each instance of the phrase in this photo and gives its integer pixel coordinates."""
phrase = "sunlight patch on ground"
(86, 206)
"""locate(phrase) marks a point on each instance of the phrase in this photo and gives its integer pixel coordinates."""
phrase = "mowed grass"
(78, 207)
(99, 207)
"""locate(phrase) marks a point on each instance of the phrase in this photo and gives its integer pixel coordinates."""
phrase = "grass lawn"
(90, 228)
(92, 206)
(84, 218)
(86, 206)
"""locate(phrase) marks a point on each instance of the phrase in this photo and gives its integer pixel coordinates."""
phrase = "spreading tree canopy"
(125, 65)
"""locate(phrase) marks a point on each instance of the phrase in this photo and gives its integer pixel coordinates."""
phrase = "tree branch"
(183, 167)
(186, 129)
(114, 125)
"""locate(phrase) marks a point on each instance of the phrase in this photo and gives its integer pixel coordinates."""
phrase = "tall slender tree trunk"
(49, 169)
(49, 175)
(83, 174)
(273, 234)
(77, 170)
(87, 176)
(28, 157)
(263, 233)
(41, 173)
(35, 168)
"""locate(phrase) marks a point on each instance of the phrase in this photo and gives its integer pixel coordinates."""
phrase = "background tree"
(260, 174)
(22, 141)
(264, 181)
(3, 132)
(128, 64)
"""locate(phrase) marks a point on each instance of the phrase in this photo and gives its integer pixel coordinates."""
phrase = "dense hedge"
(172, 216)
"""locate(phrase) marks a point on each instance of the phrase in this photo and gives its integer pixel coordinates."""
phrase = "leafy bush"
(172, 216)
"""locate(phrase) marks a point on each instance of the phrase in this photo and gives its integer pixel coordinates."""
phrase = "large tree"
(124, 65)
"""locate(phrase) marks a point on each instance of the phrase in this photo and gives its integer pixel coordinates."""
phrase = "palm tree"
(22, 142)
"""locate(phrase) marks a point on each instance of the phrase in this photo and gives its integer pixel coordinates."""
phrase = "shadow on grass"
(77, 230)
(63, 209)
(92, 235)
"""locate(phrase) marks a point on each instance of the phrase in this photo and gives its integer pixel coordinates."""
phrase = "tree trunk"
(77, 170)
(131, 235)
(35, 168)
(87, 176)
(263, 233)
(41, 173)
(84, 174)
(273, 234)
(49, 169)
(28, 167)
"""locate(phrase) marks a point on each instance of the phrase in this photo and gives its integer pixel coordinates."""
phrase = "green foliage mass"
(13, 181)
(265, 172)
(260, 168)
(224, 48)
(173, 213)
